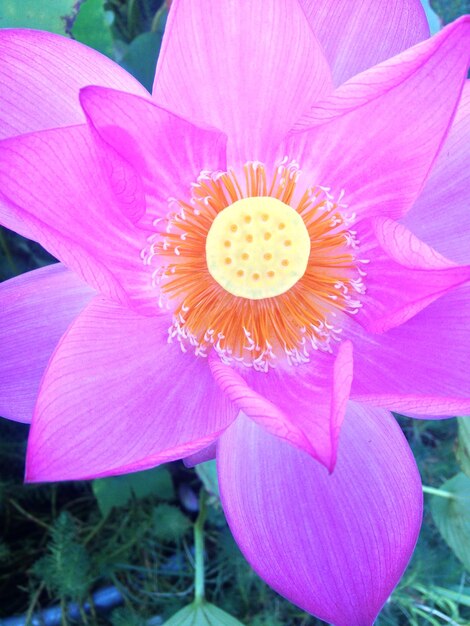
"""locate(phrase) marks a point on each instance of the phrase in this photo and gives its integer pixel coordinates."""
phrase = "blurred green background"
(123, 551)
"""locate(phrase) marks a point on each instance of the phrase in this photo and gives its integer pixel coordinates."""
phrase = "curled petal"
(404, 275)
(168, 152)
(304, 406)
(378, 135)
(74, 197)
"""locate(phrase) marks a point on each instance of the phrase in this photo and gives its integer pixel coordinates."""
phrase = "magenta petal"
(404, 275)
(358, 35)
(73, 197)
(377, 137)
(168, 152)
(441, 215)
(305, 405)
(41, 75)
(420, 367)
(206, 454)
(37, 307)
(248, 70)
(334, 544)
(118, 397)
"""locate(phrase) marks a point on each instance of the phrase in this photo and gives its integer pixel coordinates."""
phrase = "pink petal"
(420, 367)
(404, 275)
(206, 454)
(334, 544)
(168, 152)
(358, 35)
(117, 397)
(41, 75)
(441, 214)
(377, 137)
(73, 197)
(249, 71)
(305, 406)
(37, 307)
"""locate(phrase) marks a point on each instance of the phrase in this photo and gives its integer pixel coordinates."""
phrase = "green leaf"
(117, 491)
(156, 482)
(202, 614)
(92, 26)
(65, 568)
(450, 10)
(51, 15)
(463, 447)
(452, 516)
(207, 472)
(141, 56)
(170, 523)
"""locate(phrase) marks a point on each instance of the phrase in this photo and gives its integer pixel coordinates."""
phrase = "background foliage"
(121, 551)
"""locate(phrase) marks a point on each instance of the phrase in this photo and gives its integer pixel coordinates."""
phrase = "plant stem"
(438, 492)
(34, 599)
(96, 529)
(199, 549)
(28, 515)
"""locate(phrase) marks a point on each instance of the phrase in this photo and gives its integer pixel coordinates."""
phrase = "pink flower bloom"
(291, 199)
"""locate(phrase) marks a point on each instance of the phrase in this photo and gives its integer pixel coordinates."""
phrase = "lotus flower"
(292, 198)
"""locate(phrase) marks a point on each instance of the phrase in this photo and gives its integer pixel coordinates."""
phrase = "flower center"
(257, 248)
(255, 266)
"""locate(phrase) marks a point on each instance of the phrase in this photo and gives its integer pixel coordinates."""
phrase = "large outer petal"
(305, 406)
(358, 35)
(168, 152)
(36, 309)
(41, 75)
(335, 544)
(250, 69)
(420, 367)
(73, 197)
(441, 214)
(377, 137)
(403, 274)
(117, 397)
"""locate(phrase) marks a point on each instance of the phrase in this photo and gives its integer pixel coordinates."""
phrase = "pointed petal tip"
(341, 561)
(90, 429)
